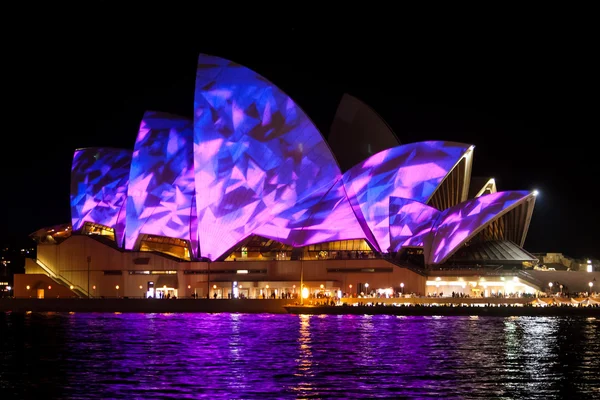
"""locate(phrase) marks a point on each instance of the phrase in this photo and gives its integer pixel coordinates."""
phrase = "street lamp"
(142, 289)
(117, 287)
(367, 288)
(591, 284)
(402, 287)
(89, 260)
(305, 293)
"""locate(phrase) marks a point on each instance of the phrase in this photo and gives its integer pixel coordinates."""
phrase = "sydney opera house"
(248, 198)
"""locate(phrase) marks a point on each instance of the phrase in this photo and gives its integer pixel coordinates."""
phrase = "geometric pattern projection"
(410, 222)
(325, 216)
(256, 154)
(160, 198)
(252, 162)
(99, 178)
(331, 219)
(458, 224)
(411, 171)
(284, 226)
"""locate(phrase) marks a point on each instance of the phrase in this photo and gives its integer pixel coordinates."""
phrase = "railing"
(413, 268)
(60, 280)
(50, 273)
(529, 278)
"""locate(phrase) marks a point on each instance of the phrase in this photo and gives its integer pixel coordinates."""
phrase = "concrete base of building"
(279, 306)
(145, 305)
(439, 311)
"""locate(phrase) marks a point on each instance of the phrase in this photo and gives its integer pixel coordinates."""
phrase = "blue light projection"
(256, 154)
(412, 171)
(252, 162)
(325, 216)
(410, 222)
(160, 198)
(99, 178)
(458, 224)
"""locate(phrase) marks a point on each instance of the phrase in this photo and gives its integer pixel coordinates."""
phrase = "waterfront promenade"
(392, 306)
(450, 310)
(145, 305)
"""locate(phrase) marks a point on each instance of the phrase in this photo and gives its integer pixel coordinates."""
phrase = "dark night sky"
(519, 97)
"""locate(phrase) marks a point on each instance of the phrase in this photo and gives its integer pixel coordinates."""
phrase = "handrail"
(60, 279)
(413, 268)
(51, 273)
(526, 276)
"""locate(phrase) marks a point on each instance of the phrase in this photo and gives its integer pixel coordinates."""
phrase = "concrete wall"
(576, 281)
(31, 267)
(39, 285)
(69, 260)
(439, 300)
(555, 258)
(282, 273)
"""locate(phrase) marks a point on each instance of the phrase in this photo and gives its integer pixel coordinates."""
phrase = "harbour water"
(247, 356)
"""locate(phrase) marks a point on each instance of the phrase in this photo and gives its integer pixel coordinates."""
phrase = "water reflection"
(364, 350)
(126, 356)
(238, 376)
(304, 359)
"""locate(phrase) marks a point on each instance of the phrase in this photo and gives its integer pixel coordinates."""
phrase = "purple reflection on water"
(128, 356)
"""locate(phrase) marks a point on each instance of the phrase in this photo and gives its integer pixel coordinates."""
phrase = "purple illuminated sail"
(320, 218)
(411, 171)
(161, 185)
(256, 153)
(410, 222)
(458, 224)
(99, 178)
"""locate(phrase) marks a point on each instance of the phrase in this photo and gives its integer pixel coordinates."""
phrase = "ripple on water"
(127, 356)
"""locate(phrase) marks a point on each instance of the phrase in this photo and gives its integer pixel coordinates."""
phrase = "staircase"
(535, 282)
(411, 267)
(78, 290)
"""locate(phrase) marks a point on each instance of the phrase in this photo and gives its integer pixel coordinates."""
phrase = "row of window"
(119, 272)
(244, 271)
(225, 271)
(362, 270)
